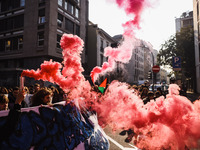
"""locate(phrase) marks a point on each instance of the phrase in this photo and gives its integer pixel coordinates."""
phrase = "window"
(12, 23)
(58, 41)
(101, 59)
(199, 51)
(2, 45)
(69, 25)
(107, 44)
(41, 16)
(77, 30)
(22, 3)
(101, 47)
(70, 8)
(65, 4)
(8, 45)
(40, 38)
(14, 43)
(20, 42)
(198, 11)
(60, 20)
(60, 2)
(18, 21)
(77, 13)
(41, 3)
(41, 20)
(78, 1)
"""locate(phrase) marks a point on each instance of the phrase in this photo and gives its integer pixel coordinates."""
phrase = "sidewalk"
(192, 96)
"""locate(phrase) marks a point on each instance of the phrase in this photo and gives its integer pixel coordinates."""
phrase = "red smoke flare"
(71, 78)
(131, 7)
(171, 123)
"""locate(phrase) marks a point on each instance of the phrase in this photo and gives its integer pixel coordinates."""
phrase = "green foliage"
(182, 45)
(167, 51)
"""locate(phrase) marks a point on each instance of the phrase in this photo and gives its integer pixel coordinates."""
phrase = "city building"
(185, 20)
(30, 33)
(97, 39)
(144, 57)
(196, 19)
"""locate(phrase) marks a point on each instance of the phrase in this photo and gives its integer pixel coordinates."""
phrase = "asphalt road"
(117, 142)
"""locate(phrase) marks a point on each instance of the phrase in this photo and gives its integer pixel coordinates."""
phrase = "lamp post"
(152, 71)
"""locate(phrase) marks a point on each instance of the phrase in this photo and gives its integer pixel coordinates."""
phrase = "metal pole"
(152, 72)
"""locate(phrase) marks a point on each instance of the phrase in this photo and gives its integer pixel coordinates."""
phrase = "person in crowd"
(146, 84)
(144, 93)
(42, 97)
(31, 89)
(55, 93)
(36, 87)
(10, 90)
(160, 90)
(62, 94)
(140, 88)
(13, 117)
(3, 90)
(3, 102)
(26, 90)
(135, 87)
(150, 96)
(157, 94)
(12, 98)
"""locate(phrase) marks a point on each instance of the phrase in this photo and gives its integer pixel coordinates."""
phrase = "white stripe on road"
(120, 146)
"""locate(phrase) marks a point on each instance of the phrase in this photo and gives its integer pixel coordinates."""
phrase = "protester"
(62, 94)
(150, 96)
(26, 90)
(135, 87)
(36, 87)
(55, 94)
(43, 96)
(3, 90)
(13, 117)
(3, 102)
(12, 98)
(157, 94)
(10, 90)
(31, 89)
(144, 93)
(160, 90)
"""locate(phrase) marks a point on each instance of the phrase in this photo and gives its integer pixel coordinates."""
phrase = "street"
(192, 96)
(117, 142)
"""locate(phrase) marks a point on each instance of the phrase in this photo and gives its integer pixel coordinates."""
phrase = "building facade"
(31, 30)
(185, 20)
(196, 18)
(98, 39)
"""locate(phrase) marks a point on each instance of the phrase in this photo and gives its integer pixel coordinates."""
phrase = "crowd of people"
(36, 96)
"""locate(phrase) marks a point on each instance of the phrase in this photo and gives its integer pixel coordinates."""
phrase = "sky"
(157, 24)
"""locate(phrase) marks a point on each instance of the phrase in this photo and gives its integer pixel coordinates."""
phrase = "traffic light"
(149, 75)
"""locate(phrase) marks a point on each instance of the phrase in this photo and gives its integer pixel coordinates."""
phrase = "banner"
(59, 127)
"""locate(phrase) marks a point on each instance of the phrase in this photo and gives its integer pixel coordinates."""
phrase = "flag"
(102, 86)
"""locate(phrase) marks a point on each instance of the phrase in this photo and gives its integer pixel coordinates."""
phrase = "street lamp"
(153, 75)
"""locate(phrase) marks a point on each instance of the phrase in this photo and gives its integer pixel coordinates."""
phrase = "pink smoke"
(170, 123)
(124, 52)
(71, 78)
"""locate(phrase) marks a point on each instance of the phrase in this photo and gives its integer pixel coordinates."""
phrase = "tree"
(167, 51)
(182, 45)
(185, 49)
